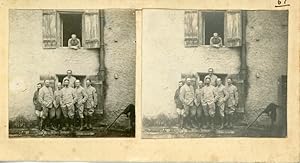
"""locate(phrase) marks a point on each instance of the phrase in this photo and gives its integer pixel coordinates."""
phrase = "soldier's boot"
(90, 126)
(71, 123)
(86, 122)
(81, 124)
(58, 124)
(41, 124)
(226, 121)
(38, 123)
(230, 122)
(181, 122)
(67, 123)
(222, 123)
(212, 123)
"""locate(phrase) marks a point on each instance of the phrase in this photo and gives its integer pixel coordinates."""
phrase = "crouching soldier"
(67, 104)
(81, 97)
(208, 97)
(90, 104)
(37, 105)
(46, 98)
(232, 102)
(222, 96)
(57, 105)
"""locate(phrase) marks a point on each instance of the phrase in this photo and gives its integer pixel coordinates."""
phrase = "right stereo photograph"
(214, 73)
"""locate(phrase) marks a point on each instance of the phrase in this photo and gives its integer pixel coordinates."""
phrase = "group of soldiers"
(68, 99)
(196, 107)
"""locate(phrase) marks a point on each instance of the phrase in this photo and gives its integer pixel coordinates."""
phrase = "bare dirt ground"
(237, 131)
(96, 132)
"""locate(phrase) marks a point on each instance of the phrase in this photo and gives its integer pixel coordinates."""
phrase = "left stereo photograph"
(72, 73)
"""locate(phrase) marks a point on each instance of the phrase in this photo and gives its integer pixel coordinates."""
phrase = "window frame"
(60, 26)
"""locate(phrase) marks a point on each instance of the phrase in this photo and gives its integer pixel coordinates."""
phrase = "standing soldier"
(37, 105)
(198, 103)
(90, 104)
(57, 104)
(179, 105)
(232, 101)
(222, 96)
(81, 97)
(212, 77)
(71, 79)
(67, 104)
(187, 98)
(208, 97)
(46, 98)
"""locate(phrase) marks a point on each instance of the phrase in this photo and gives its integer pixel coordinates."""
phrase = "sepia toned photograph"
(71, 73)
(221, 73)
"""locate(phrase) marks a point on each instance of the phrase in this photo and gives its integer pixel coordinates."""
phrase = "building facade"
(38, 51)
(254, 54)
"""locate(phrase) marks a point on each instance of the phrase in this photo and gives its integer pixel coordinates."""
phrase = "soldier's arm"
(226, 94)
(79, 44)
(210, 41)
(181, 94)
(221, 43)
(35, 98)
(69, 43)
(84, 95)
(41, 97)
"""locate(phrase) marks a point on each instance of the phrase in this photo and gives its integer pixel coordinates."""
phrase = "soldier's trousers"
(88, 111)
(68, 111)
(209, 109)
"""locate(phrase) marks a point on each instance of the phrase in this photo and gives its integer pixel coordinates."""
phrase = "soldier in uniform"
(37, 105)
(90, 104)
(187, 95)
(179, 105)
(57, 104)
(222, 96)
(232, 102)
(46, 98)
(198, 103)
(67, 104)
(216, 41)
(208, 99)
(81, 97)
(212, 77)
(71, 78)
(74, 42)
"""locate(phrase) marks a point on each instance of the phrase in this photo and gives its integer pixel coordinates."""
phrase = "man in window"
(90, 104)
(71, 79)
(232, 102)
(208, 99)
(187, 95)
(179, 105)
(38, 106)
(81, 97)
(74, 42)
(68, 98)
(212, 77)
(216, 41)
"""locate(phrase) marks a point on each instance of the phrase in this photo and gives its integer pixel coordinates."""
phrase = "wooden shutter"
(49, 29)
(233, 29)
(200, 29)
(191, 29)
(91, 29)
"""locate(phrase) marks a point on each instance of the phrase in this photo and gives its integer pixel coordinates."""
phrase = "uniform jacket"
(187, 95)
(36, 102)
(222, 94)
(213, 79)
(177, 99)
(72, 80)
(208, 95)
(67, 96)
(91, 101)
(81, 96)
(233, 95)
(46, 97)
(198, 92)
(57, 98)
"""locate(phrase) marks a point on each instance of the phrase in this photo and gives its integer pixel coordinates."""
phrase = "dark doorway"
(71, 24)
(214, 22)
